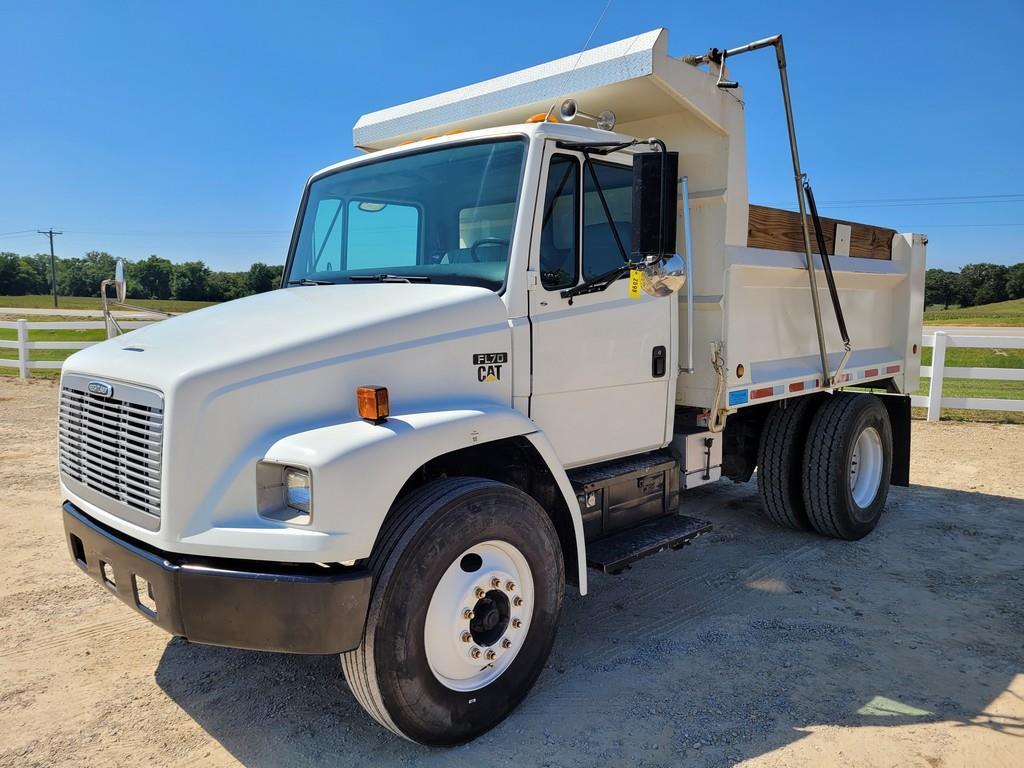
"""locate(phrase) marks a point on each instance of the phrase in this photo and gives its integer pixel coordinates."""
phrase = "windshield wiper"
(308, 281)
(382, 278)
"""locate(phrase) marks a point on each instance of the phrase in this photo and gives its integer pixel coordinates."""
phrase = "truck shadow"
(741, 644)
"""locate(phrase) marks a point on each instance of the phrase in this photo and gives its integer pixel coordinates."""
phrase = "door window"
(600, 252)
(560, 226)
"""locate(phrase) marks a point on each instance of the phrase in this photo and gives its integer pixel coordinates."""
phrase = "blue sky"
(188, 129)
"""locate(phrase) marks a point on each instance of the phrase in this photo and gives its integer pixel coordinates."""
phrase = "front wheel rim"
(479, 616)
(866, 464)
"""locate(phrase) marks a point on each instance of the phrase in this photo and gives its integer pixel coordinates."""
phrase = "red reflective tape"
(797, 386)
(763, 392)
(870, 372)
(893, 369)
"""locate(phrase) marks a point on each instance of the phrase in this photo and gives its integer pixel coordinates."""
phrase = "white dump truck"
(510, 337)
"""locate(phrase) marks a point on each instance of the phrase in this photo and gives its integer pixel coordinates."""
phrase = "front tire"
(847, 465)
(468, 587)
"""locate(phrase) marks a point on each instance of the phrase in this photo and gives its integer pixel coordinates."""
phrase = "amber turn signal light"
(372, 403)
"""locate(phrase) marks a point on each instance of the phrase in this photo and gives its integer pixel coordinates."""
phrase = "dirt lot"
(755, 645)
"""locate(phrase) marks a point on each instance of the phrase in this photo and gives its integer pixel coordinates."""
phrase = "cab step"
(615, 553)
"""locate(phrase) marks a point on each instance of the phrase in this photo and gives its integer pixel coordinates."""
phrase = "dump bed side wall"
(769, 326)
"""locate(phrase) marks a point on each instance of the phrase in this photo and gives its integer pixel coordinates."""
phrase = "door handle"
(658, 361)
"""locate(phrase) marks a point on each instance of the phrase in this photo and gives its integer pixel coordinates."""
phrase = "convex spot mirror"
(655, 196)
(120, 287)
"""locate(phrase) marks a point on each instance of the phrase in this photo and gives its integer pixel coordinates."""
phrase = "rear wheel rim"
(866, 462)
(479, 616)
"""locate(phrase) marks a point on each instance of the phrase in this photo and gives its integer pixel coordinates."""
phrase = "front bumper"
(234, 603)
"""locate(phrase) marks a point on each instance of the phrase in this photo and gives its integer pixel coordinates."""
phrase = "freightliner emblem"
(101, 388)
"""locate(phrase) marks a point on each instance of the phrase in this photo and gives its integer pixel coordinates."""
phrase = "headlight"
(284, 493)
(297, 495)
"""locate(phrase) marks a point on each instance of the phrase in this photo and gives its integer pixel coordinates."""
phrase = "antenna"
(568, 77)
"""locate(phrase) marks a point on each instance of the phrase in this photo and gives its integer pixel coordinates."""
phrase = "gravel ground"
(755, 645)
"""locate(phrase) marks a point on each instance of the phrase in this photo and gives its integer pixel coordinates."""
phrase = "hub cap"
(479, 616)
(866, 467)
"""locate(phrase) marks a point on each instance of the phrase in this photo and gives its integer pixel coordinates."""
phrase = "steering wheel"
(485, 242)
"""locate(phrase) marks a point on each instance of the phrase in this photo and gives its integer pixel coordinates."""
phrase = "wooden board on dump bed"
(780, 230)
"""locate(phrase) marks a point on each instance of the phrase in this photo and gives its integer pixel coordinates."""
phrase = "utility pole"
(53, 261)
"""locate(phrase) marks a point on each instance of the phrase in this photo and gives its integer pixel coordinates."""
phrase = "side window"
(600, 252)
(560, 226)
(381, 235)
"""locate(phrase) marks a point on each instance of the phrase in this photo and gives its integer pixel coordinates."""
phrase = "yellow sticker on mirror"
(636, 283)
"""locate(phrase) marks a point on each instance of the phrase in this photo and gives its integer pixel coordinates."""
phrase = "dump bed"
(754, 333)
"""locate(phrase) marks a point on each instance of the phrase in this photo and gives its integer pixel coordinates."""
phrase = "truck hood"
(290, 327)
(238, 377)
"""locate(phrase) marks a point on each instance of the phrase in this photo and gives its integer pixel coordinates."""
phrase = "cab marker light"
(372, 403)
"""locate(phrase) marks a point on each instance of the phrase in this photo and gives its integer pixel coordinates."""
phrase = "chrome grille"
(110, 446)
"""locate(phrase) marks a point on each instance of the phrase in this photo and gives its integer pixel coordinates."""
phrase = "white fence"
(933, 401)
(937, 371)
(25, 364)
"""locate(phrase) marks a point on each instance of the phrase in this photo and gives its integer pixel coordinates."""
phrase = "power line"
(918, 199)
(53, 260)
(901, 202)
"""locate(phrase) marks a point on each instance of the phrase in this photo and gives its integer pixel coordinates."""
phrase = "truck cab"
(475, 382)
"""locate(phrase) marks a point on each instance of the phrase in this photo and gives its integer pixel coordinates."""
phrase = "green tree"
(73, 278)
(1015, 281)
(153, 276)
(225, 286)
(942, 287)
(191, 281)
(263, 278)
(983, 283)
(34, 274)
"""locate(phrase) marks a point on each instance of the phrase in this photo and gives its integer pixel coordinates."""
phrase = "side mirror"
(654, 205)
(120, 288)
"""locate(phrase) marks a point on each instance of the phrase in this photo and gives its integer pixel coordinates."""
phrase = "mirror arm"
(596, 284)
(689, 276)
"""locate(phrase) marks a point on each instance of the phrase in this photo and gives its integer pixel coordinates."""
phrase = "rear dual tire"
(847, 465)
(824, 463)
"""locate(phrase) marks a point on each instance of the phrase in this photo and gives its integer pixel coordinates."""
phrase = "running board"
(615, 553)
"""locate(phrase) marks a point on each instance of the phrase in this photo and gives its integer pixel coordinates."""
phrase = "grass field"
(89, 302)
(1003, 313)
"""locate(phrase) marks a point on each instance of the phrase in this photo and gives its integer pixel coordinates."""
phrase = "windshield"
(444, 215)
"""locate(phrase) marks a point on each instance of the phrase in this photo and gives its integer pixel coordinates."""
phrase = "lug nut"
(466, 637)
(474, 652)
(495, 583)
(491, 655)
(510, 586)
(480, 594)
(506, 643)
(517, 601)
(517, 623)
(467, 614)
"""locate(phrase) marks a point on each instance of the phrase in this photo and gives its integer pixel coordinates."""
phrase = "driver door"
(603, 363)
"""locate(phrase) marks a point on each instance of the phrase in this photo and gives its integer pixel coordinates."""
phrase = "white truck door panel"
(594, 392)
